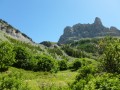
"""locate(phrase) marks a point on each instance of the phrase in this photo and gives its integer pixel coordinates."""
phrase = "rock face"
(14, 33)
(79, 31)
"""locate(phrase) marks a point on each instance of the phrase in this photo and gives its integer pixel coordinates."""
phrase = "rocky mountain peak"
(97, 21)
(79, 31)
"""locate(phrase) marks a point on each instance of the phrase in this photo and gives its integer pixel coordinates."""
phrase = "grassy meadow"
(43, 80)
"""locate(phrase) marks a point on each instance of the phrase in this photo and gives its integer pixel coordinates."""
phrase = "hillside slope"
(12, 32)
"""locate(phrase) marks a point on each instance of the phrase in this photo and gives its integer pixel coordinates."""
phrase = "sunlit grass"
(45, 80)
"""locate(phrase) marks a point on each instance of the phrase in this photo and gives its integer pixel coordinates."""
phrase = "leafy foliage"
(12, 81)
(106, 81)
(87, 45)
(63, 65)
(76, 64)
(86, 73)
(111, 56)
(46, 43)
(6, 56)
(73, 52)
(55, 51)
(90, 77)
(47, 63)
(22, 57)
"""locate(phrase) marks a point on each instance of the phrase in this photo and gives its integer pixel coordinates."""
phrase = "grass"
(2, 36)
(45, 80)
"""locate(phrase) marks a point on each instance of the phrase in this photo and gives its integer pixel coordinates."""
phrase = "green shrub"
(23, 57)
(111, 56)
(88, 47)
(46, 43)
(104, 82)
(47, 63)
(63, 65)
(72, 52)
(12, 81)
(55, 51)
(86, 73)
(87, 61)
(6, 56)
(76, 64)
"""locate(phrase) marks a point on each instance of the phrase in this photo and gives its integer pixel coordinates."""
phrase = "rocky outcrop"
(14, 33)
(79, 31)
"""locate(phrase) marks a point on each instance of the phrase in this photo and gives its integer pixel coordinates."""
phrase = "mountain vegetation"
(89, 63)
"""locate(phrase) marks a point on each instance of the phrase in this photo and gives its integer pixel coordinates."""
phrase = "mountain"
(7, 30)
(79, 31)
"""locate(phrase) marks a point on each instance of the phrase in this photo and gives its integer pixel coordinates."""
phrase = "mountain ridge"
(13, 32)
(96, 29)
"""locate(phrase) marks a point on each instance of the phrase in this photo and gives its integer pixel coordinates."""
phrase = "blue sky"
(45, 20)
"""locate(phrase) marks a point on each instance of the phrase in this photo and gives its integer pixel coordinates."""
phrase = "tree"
(46, 63)
(6, 56)
(22, 57)
(63, 65)
(111, 56)
(76, 64)
(46, 43)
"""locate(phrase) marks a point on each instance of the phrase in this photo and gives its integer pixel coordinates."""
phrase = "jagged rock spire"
(80, 31)
(97, 21)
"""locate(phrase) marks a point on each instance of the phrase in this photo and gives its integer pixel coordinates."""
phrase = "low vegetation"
(19, 79)
(90, 64)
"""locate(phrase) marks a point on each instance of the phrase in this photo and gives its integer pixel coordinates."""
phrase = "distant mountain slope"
(78, 31)
(12, 32)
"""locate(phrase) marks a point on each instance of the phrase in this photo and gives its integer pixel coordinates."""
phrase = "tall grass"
(44, 80)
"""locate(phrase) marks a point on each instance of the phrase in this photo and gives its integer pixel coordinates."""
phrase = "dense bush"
(55, 51)
(88, 70)
(111, 56)
(80, 62)
(72, 52)
(46, 43)
(86, 73)
(87, 45)
(6, 56)
(12, 81)
(63, 65)
(23, 57)
(104, 82)
(46, 63)
(90, 48)
(76, 64)
(25, 60)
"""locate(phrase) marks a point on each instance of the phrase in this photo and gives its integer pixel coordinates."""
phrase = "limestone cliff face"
(14, 33)
(78, 31)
